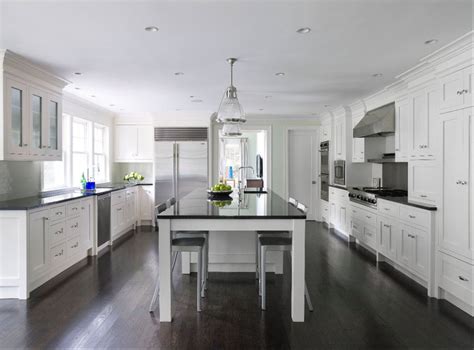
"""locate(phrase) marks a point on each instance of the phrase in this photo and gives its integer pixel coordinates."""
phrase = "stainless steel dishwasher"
(103, 219)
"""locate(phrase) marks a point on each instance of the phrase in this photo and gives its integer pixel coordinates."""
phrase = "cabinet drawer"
(364, 216)
(117, 197)
(58, 255)
(73, 209)
(388, 208)
(73, 246)
(414, 216)
(370, 236)
(456, 277)
(58, 212)
(57, 232)
(73, 226)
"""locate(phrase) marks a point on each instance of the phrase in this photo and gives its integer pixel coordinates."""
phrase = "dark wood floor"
(357, 305)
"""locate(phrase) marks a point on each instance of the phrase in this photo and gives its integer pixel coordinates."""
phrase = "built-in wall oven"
(324, 154)
(340, 172)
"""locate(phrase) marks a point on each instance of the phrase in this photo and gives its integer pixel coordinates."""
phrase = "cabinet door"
(86, 217)
(451, 91)
(405, 247)
(467, 91)
(455, 234)
(38, 243)
(17, 119)
(403, 130)
(423, 181)
(325, 133)
(114, 218)
(387, 237)
(126, 142)
(340, 139)
(333, 213)
(146, 203)
(356, 229)
(145, 142)
(370, 236)
(425, 112)
(358, 145)
(343, 218)
(54, 127)
(37, 127)
(420, 252)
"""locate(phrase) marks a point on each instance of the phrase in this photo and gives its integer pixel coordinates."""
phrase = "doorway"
(303, 169)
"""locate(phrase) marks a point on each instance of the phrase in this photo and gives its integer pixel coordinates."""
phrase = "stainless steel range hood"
(377, 122)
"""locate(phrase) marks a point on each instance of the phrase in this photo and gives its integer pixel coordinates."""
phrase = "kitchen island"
(244, 212)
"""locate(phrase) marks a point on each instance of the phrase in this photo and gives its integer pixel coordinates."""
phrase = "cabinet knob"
(459, 92)
(423, 195)
(463, 279)
(464, 91)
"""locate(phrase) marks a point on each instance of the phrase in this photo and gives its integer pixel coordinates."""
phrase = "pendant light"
(230, 111)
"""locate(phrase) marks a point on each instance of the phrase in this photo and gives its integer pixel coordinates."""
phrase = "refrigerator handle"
(176, 170)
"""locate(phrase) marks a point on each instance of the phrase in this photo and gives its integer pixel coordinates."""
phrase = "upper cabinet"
(339, 138)
(32, 110)
(325, 131)
(456, 89)
(358, 144)
(416, 115)
(134, 143)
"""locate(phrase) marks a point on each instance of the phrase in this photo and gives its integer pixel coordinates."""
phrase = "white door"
(303, 169)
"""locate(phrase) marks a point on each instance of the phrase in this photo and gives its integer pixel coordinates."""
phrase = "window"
(233, 155)
(85, 151)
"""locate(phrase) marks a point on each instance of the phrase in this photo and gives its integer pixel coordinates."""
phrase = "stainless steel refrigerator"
(181, 162)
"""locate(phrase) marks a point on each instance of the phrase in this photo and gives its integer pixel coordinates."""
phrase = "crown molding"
(19, 66)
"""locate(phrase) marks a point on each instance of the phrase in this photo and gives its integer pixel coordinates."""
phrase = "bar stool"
(277, 243)
(186, 242)
(294, 203)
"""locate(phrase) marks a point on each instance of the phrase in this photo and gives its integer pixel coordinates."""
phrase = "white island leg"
(164, 260)
(298, 270)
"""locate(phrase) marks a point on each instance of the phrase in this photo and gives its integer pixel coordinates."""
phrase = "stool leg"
(263, 276)
(204, 272)
(257, 255)
(308, 298)
(199, 279)
(155, 295)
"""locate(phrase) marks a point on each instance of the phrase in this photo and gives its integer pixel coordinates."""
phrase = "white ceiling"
(133, 69)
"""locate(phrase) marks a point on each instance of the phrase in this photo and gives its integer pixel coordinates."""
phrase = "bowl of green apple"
(220, 190)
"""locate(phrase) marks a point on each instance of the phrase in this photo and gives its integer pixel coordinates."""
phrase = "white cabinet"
(339, 138)
(425, 110)
(38, 243)
(387, 236)
(358, 145)
(457, 278)
(339, 210)
(134, 143)
(58, 237)
(456, 90)
(423, 181)
(403, 119)
(146, 200)
(123, 212)
(456, 231)
(32, 112)
(414, 250)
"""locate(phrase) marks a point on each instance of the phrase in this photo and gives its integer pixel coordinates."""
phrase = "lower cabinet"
(123, 212)
(58, 237)
(146, 204)
(414, 250)
(324, 211)
(388, 236)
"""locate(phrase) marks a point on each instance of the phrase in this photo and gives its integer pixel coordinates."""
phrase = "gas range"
(368, 195)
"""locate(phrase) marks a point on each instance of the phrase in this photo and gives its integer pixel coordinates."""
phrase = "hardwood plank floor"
(104, 304)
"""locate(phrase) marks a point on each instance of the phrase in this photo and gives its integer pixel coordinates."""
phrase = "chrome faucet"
(239, 184)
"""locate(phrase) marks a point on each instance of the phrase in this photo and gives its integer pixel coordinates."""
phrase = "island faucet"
(239, 184)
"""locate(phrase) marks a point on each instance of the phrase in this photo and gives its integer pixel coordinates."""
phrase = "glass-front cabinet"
(16, 123)
(33, 123)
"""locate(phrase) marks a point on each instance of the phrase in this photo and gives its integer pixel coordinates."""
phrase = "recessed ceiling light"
(77, 73)
(191, 96)
(377, 75)
(77, 88)
(304, 30)
(152, 29)
(112, 105)
(261, 109)
(196, 101)
(179, 73)
(431, 41)
(279, 74)
(93, 96)
(327, 106)
(268, 96)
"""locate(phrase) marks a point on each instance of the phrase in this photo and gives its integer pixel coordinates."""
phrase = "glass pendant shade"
(231, 129)
(230, 109)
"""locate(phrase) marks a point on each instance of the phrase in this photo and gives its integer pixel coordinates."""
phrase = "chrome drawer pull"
(59, 213)
(59, 254)
(463, 279)
(59, 232)
(76, 225)
(75, 208)
(423, 195)
(411, 216)
(411, 236)
(385, 225)
(386, 208)
(368, 217)
(75, 245)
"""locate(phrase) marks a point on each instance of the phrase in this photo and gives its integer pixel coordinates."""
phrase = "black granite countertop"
(34, 202)
(197, 205)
